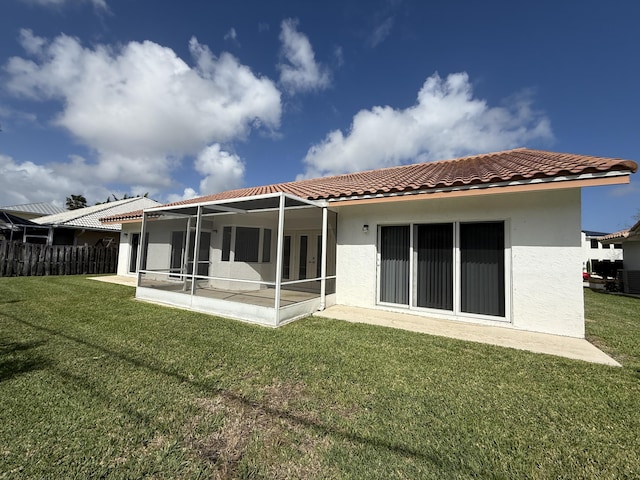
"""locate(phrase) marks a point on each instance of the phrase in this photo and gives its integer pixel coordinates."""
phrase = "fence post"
(3, 255)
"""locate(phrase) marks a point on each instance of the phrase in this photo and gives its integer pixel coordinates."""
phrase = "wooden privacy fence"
(19, 259)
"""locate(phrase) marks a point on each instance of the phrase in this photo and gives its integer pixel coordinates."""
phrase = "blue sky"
(187, 98)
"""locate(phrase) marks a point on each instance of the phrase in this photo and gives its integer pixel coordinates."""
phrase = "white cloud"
(140, 107)
(302, 73)
(446, 122)
(26, 182)
(188, 194)
(97, 4)
(231, 34)
(222, 170)
(381, 32)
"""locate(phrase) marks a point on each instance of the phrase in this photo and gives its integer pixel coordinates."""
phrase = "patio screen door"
(394, 264)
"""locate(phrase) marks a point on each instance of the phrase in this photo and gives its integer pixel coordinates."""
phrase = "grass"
(96, 385)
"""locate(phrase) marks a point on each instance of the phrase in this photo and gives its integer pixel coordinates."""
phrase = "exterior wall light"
(365, 228)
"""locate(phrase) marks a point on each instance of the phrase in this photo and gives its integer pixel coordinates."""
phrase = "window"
(302, 260)
(226, 243)
(246, 247)
(266, 246)
(246, 244)
(594, 243)
(286, 260)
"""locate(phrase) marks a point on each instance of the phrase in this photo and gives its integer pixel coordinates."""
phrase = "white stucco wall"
(124, 252)
(543, 257)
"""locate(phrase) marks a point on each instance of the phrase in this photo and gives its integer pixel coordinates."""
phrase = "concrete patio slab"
(119, 279)
(568, 347)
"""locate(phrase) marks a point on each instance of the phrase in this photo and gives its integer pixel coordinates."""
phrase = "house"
(491, 239)
(630, 241)
(83, 227)
(603, 260)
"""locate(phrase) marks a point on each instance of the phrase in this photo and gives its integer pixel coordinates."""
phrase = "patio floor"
(263, 298)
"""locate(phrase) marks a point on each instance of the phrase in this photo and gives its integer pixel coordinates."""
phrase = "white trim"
(168, 208)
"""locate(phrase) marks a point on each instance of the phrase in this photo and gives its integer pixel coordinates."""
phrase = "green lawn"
(96, 385)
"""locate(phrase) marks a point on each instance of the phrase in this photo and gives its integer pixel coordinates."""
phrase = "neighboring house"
(630, 241)
(16, 222)
(604, 260)
(491, 239)
(83, 227)
(30, 211)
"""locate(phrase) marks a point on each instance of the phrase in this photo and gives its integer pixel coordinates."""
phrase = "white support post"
(143, 229)
(279, 256)
(196, 250)
(323, 265)
(184, 263)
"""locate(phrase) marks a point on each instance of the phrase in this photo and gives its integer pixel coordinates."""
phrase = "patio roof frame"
(223, 209)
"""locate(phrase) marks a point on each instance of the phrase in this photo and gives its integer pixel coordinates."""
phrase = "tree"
(124, 197)
(76, 201)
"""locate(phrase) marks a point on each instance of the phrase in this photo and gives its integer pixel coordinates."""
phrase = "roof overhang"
(241, 205)
(536, 184)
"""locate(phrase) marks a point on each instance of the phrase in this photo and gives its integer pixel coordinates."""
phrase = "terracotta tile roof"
(621, 235)
(499, 167)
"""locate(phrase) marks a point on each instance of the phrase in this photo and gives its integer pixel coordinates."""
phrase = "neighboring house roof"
(89, 217)
(621, 235)
(591, 233)
(41, 208)
(518, 165)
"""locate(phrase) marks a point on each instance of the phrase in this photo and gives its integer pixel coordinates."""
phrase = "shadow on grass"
(277, 414)
(12, 367)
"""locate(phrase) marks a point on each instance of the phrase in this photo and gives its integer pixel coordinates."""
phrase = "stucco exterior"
(543, 254)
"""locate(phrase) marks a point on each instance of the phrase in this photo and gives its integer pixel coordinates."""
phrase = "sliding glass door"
(456, 267)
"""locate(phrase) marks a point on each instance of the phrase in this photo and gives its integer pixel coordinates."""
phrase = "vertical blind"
(435, 266)
(482, 268)
(394, 264)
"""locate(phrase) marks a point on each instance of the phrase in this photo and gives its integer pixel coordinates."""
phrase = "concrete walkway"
(568, 347)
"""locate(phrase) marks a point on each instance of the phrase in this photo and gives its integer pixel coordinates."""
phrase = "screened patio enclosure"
(267, 259)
